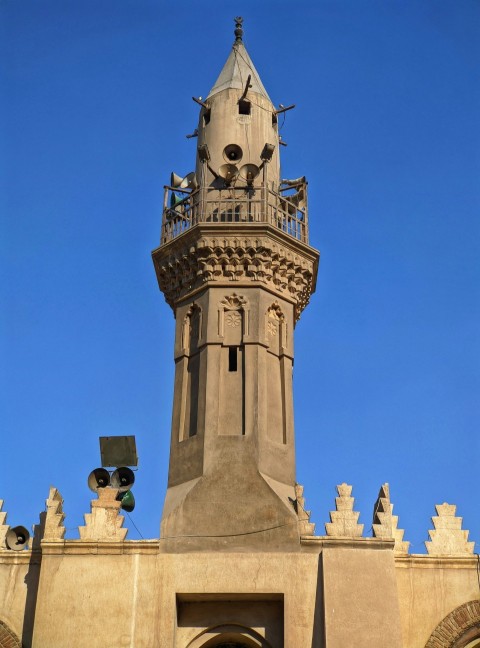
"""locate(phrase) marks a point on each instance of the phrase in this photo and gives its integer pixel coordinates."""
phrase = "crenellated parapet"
(3, 526)
(104, 523)
(344, 520)
(54, 527)
(448, 538)
(306, 527)
(385, 524)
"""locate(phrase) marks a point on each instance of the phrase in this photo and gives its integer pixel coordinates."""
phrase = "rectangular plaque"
(118, 451)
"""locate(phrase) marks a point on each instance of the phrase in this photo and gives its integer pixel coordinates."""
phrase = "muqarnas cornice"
(251, 254)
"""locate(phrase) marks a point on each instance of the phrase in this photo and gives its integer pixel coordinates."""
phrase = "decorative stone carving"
(188, 264)
(3, 526)
(305, 527)
(275, 323)
(233, 319)
(385, 523)
(344, 521)
(229, 313)
(448, 538)
(233, 302)
(104, 522)
(54, 528)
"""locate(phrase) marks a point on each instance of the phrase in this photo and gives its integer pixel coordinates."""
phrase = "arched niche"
(459, 629)
(231, 636)
(192, 329)
(276, 328)
(191, 338)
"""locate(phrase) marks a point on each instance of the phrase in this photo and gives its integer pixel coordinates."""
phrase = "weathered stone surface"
(104, 522)
(344, 521)
(448, 538)
(305, 526)
(54, 528)
(385, 524)
(3, 526)
(243, 252)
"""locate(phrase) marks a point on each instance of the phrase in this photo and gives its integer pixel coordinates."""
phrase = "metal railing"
(183, 209)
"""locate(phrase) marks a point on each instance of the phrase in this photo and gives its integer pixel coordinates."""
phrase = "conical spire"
(238, 67)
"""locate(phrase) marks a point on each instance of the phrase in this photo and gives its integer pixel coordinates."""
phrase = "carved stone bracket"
(186, 265)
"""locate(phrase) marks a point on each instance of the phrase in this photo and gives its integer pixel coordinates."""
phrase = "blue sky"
(95, 108)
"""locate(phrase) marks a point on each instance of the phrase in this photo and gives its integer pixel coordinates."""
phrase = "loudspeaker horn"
(17, 538)
(98, 478)
(127, 501)
(123, 479)
(188, 182)
(228, 172)
(249, 172)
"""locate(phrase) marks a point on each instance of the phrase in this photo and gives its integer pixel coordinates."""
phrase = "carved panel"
(230, 310)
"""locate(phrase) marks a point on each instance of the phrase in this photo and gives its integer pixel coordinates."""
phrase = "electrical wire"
(130, 518)
(232, 535)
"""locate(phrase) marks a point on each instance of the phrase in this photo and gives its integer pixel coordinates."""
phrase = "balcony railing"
(183, 209)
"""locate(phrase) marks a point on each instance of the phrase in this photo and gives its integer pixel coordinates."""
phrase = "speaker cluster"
(121, 479)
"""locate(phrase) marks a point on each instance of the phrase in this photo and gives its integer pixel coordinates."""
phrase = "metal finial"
(238, 29)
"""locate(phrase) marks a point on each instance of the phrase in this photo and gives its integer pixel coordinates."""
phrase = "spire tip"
(238, 29)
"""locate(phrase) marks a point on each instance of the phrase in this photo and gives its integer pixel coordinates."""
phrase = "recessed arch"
(8, 639)
(235, 634)
(459, 629)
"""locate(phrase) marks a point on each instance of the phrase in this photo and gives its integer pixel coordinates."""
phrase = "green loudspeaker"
(127, 501)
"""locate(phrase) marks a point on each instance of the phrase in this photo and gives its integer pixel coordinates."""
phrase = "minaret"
(235, 266)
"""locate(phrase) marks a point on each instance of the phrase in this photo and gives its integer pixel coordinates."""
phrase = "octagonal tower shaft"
(235, 265)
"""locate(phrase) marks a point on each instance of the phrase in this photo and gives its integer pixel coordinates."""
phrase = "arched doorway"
(459, 629)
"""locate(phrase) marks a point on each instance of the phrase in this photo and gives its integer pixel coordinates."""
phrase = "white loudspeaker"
(249, 172)
(228, 172)
(188, 182)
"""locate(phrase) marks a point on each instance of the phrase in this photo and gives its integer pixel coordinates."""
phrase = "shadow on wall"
(32, 579)
(318, 637)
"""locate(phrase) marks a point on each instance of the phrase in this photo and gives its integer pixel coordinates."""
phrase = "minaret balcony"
(183, 209)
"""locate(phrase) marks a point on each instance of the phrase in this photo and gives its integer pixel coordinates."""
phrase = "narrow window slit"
(232, 358)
